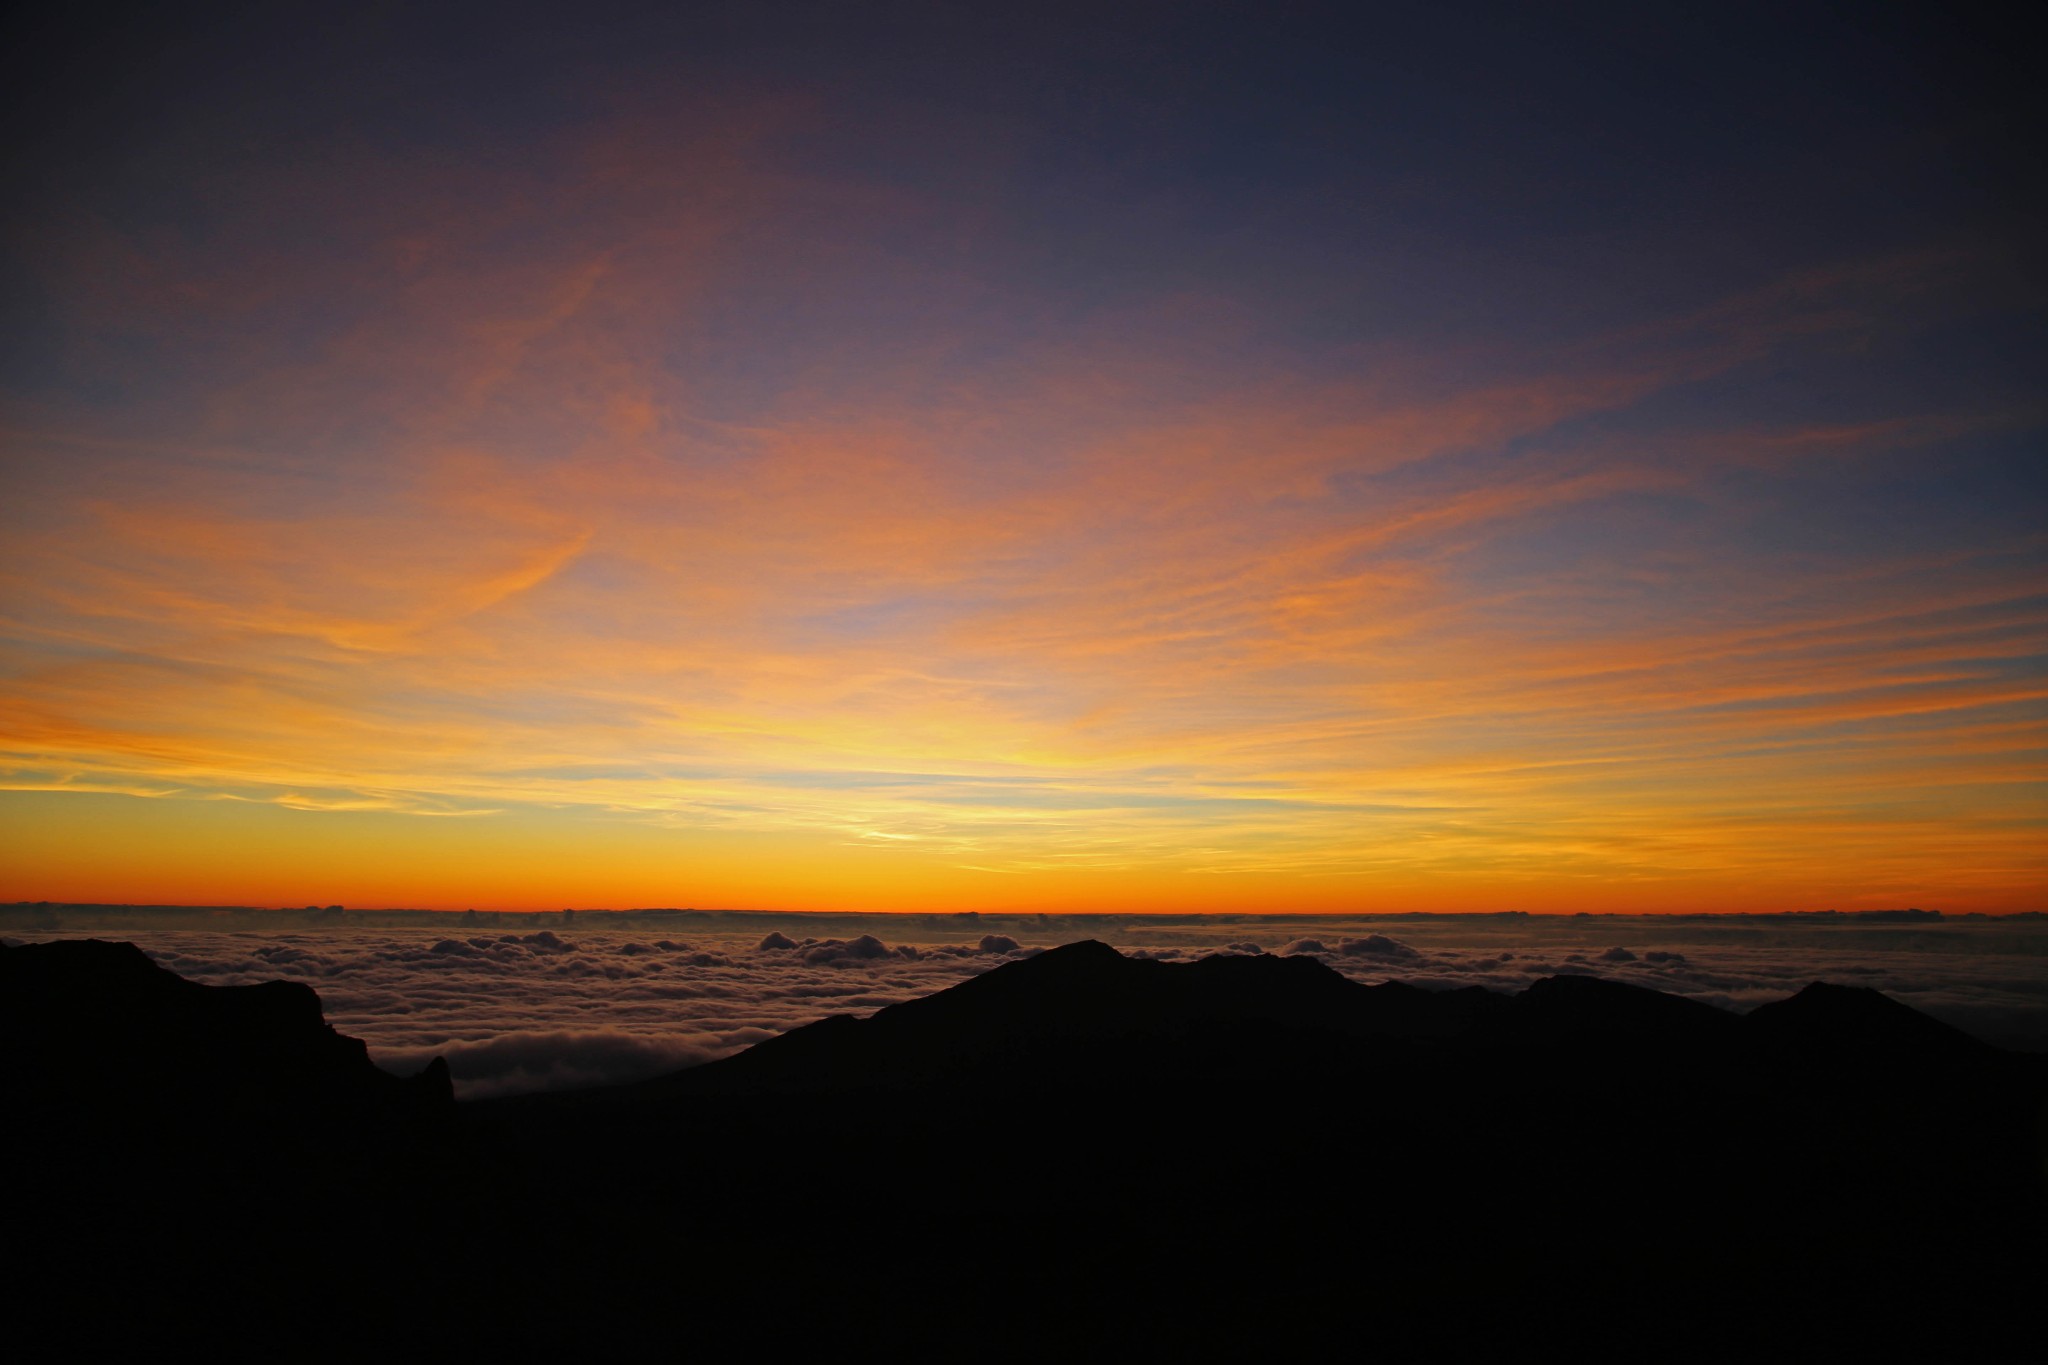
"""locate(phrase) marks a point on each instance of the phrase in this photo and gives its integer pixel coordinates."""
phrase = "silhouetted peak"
(1079, 1008)
(1090, 985)
(434, 1084)
(1059, 978)
(106, 990)
(1301, 972)
(1089, 960)
(1081, 950)
(89, 1025)
(1831, 1016)
(69, 964)
(1836, 999)
(1579, 1002)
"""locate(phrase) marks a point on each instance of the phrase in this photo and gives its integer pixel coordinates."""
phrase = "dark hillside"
(1076, 1153)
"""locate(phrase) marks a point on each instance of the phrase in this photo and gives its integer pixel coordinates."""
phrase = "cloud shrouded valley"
(524, 1009)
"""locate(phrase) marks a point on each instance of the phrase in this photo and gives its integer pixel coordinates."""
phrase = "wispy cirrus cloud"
(681, 481)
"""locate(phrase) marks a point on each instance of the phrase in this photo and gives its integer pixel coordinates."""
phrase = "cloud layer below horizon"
(561, 1008)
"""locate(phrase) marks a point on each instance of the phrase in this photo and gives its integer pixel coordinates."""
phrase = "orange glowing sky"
(658, 503)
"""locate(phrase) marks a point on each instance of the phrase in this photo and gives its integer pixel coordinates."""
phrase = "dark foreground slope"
(1084, 1154)
(183, 1163)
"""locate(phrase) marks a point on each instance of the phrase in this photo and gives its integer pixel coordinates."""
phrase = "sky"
(1138, 458)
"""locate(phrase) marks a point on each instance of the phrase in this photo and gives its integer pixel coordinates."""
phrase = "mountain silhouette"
(1855, 1020)
(1075, 1154)
(97, 1031)
(1065, 1014)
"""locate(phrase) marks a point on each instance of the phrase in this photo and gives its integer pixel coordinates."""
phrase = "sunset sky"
(911, 457)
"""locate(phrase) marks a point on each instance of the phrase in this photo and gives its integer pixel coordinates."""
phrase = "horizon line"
(329, 913)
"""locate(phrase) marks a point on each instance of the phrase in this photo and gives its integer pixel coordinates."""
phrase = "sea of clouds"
(528, 1007)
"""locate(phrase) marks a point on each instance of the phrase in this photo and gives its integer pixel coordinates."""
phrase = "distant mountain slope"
(1077, 1014)
(1073, 1006)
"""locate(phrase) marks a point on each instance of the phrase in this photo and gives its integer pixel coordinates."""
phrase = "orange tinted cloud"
(593, 535)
